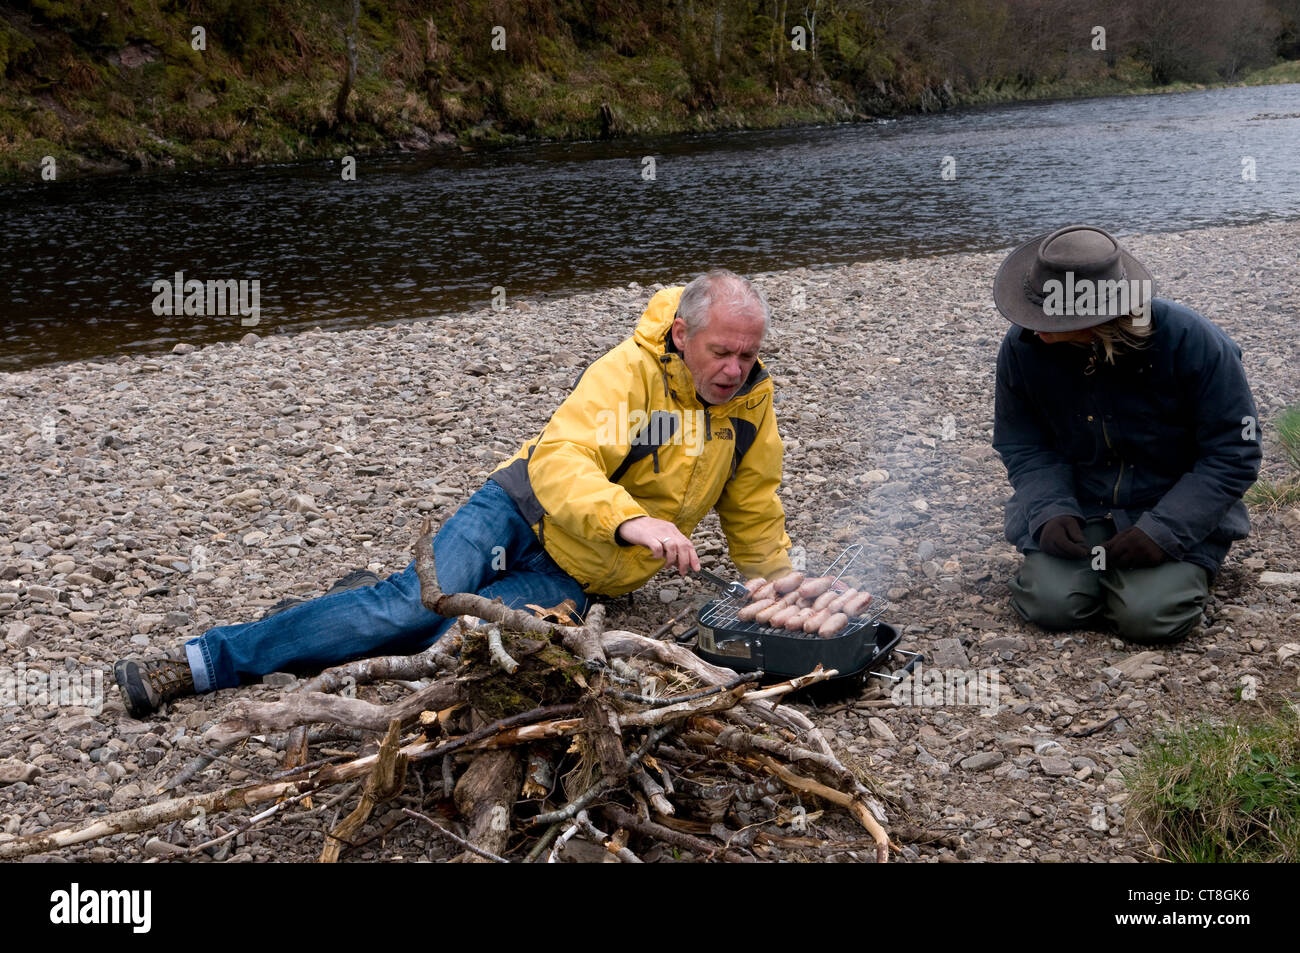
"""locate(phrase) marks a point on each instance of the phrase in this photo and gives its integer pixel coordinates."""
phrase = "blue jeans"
(486, 547)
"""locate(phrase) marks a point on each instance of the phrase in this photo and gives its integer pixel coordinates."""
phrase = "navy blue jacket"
(1166, 438)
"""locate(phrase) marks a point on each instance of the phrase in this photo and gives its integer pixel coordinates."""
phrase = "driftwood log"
(533, 736)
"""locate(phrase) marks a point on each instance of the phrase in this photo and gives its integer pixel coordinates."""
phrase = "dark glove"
(1133, 549)
(1062, 536)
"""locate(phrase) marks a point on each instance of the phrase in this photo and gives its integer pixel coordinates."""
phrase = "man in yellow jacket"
(674, 421)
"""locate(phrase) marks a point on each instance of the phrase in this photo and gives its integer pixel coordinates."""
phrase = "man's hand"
(663, 539)
(1133, 549)
(1063, 537)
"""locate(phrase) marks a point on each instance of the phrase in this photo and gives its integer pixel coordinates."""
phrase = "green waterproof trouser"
(1151, 605)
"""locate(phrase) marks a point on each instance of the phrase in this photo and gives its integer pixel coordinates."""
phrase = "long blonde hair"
(1128, 332)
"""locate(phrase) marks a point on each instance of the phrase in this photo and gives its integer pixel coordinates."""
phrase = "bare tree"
(811, 17)
(1246, 33)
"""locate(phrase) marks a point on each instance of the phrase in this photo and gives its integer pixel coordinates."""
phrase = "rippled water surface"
(416, 235)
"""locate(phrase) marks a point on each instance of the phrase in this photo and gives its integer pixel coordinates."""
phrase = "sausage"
(789, 583)
(842, 600)
(795, 622)
(753, 585)
(791, 598)
(812, 588)
(766, 591)
(779, 620)
(825, 599)
(749, 611)
(831, 627)
(780, 615)
(764, 616)
(857, 605)
(814, 621)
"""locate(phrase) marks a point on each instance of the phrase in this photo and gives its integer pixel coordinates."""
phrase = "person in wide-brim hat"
(1129, 434)
(1077, 257)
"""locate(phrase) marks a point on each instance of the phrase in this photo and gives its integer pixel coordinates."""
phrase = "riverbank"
(148, 498)
(387, 122)
(89, 93)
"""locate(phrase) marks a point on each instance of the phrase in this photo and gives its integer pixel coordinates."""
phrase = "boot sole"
(119, 677)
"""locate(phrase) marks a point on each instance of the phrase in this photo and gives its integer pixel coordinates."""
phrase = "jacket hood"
(652, 334)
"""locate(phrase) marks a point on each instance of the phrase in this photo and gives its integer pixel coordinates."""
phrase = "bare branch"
(498, 651)
(443, 832)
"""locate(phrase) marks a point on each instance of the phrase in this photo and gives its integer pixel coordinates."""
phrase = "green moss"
(90, 23)
(12, 46)
(22, 160)
(546, 674)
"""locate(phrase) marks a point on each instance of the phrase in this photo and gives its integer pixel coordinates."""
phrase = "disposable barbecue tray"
(749, 647)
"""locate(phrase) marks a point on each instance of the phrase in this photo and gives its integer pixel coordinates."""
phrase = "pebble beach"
(145, 499)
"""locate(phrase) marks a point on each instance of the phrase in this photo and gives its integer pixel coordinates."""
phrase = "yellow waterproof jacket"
(634, 439)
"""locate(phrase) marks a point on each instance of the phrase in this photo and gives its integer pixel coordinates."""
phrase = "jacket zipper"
(1114, 497)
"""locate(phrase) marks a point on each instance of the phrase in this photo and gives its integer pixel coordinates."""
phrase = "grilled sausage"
(789, 583)
(791, 598)
(857, 605)
(764, 616)
(825, 599)
(832, 626)
(842, 600)
(779, 620)
(753, 585)
(750, 611)
(814, 621)
(795, 622)
(812, 588)
(785, 616)
(766, 591)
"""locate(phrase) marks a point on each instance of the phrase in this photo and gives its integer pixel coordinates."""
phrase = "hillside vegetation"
(164, 83)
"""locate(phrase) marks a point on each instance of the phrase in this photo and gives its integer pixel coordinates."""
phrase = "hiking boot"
(353, 580)
(288, 602)
(146, 683)
(357, 579)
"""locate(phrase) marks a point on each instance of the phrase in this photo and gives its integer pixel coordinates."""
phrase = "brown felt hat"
(1075, 277)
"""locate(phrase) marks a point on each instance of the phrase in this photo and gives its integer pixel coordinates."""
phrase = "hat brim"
(1009, 292)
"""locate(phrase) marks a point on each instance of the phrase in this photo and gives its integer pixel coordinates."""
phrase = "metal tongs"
(733, 590)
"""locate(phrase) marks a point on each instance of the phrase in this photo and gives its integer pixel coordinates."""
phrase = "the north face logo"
(724, 433)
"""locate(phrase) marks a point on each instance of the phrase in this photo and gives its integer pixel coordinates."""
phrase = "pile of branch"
(524, 736)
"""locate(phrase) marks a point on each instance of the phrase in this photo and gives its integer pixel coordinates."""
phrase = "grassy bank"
(171, 84)
(1277, 494)
(1223, 792)
(1129, 79)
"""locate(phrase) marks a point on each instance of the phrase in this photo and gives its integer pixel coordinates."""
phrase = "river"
(415, 235)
